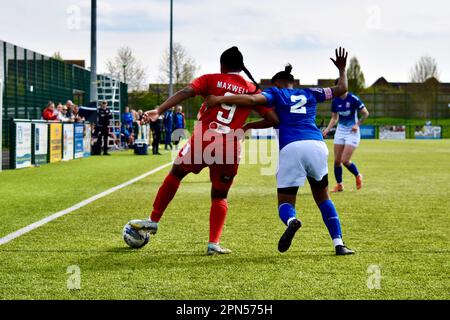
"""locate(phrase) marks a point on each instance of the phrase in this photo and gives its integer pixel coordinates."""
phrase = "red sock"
(165, 194)
(219, 208)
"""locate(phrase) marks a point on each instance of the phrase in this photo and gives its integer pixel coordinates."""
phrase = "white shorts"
(347, 137)
(300, 160)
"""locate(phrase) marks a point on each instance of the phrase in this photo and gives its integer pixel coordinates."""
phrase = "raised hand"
(341, 58)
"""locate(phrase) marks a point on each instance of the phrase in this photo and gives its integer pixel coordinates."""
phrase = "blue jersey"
(168, 120)
(128, 118)
(179, 121)
(347, 109)
(296, 109)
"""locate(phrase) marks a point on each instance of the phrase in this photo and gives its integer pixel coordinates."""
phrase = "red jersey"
(224, 118)
(215, 144)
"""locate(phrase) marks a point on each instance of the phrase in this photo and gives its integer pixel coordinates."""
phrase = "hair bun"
(288, 68)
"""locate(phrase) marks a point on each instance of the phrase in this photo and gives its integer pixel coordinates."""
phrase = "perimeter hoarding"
(79, 140)
(428, 132)
(393, 132)
(68, 141)
(22, 157)
(368, 132)
(40, 144)
(55, 142)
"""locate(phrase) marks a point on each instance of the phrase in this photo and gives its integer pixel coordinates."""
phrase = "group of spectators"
(165, 125)
(126, 132)
(63, 113)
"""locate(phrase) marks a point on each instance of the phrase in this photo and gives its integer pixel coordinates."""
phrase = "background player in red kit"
(214, 144)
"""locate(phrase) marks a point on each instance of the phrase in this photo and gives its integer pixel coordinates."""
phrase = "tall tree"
(424, 69)
(184, 66)
(57, 56)
(126, 68)
(357, 81)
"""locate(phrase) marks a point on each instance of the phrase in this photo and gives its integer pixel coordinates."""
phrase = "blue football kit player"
(303, 152)
(345, 110)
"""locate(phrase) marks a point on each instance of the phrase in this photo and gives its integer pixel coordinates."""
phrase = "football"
(133, 238)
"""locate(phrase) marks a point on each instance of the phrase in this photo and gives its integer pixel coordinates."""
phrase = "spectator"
(180, 125)
(156, 129)
(126, 138)
(168, 128)
(62, 114)
(104, 117)
(49, 112)
(135, 121)
(140, 116)
(76, 115)
(127, 118)
(69, 106)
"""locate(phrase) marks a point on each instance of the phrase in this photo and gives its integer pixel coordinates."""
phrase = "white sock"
(338, 242)
(290, 220)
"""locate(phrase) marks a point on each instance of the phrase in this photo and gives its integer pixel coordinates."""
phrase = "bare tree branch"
(424, 69)
(126, 65)
(184, 66)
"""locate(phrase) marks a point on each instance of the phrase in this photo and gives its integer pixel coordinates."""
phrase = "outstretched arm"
(341, 63)
(174, 100)
(270, 120)
(333, 121)
(239, 100)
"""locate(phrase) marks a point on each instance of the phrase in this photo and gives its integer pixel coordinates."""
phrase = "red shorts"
(223, 164)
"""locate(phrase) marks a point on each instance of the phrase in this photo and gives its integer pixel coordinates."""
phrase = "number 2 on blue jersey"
(299, 107)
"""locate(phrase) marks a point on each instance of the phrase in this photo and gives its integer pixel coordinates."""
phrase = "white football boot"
(214, 249)
(145, 225)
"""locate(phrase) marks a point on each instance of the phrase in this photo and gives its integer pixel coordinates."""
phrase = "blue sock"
(287, 212)
(353, 169)
(338, 174)
(331, 219)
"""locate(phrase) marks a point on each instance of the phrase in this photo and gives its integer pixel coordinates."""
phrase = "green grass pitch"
(399, 223)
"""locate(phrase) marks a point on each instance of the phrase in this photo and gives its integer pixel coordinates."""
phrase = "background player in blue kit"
(303, 152)
(345, 111)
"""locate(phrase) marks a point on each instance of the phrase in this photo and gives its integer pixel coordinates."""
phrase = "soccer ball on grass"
(135, 239)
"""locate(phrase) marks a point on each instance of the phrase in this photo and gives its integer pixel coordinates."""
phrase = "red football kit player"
(214, 143)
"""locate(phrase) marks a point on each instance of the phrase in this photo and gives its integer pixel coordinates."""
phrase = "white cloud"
(387, 36)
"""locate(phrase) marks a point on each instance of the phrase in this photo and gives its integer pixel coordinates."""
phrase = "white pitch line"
(82, 204)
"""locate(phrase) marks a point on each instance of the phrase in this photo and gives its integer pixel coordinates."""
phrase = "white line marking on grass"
(80, 205)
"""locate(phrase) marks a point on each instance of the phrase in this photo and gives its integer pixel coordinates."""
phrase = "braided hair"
(234, 60)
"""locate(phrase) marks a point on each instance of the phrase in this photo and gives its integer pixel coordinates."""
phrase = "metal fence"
(31, 80)
(405, 107)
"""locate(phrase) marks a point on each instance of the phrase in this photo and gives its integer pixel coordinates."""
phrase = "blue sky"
(388, 37)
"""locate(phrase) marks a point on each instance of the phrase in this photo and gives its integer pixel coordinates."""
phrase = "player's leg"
(290, 176)
(165, 195)
(105, 136)
(286, 210)
(222, 177)
(182, 167)
(315, 160)
(338, 151)
(329, 214)
(346, 160)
